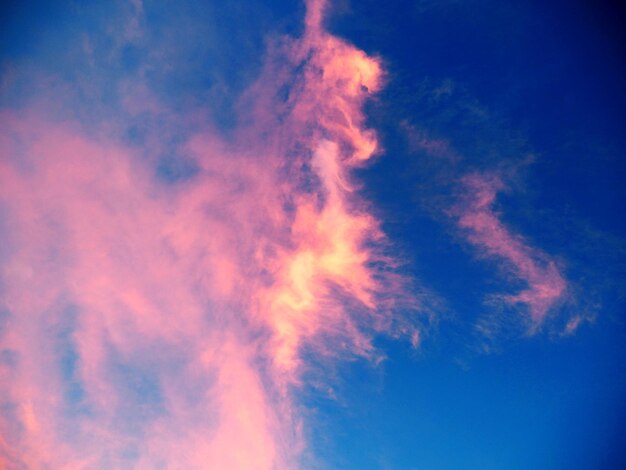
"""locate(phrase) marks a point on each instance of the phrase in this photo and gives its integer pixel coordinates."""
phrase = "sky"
(321, 234)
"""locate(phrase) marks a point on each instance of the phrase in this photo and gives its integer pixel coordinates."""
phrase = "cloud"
(483, 228)
(159, 320)
(464, 189)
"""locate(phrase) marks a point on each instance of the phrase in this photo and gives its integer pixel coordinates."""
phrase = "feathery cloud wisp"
(486, 231)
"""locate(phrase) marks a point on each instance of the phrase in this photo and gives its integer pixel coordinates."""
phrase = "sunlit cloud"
(483, 226)
(222, 222)
(160, 318)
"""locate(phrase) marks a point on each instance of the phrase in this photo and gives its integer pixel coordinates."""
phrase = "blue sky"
(548, 79)
(231, 278)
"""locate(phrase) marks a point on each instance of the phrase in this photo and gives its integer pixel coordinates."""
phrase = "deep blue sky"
(532, 88)
(548, 78)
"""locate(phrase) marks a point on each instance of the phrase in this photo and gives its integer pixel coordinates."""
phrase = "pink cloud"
(483, 228)
(155, 323)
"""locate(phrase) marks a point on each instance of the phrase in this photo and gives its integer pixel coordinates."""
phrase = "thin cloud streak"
(483, 228)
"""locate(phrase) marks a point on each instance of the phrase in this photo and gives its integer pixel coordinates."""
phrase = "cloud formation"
(173, 276)
(158, 317)
(484, 229)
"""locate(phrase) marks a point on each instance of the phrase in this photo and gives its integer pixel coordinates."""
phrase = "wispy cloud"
(156, 320)
(483, 226)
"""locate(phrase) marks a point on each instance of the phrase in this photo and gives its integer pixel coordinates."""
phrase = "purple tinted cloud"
(483, 227)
